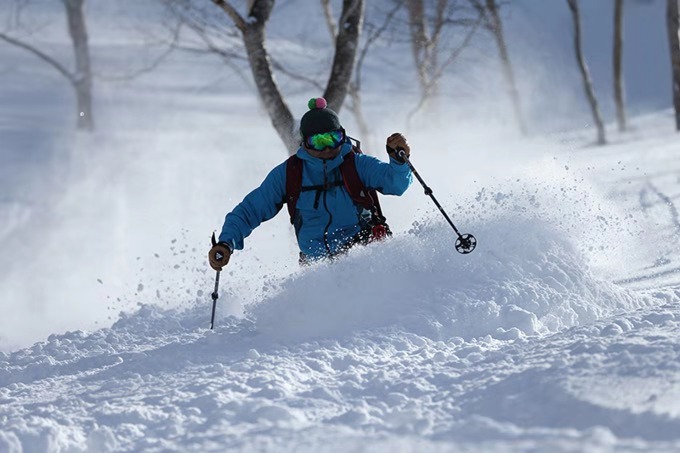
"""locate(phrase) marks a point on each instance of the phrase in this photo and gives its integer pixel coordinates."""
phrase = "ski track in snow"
(515, 347)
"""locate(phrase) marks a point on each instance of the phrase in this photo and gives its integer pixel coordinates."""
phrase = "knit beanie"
(318, 119)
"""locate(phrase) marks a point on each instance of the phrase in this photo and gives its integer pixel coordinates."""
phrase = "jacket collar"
(315, 162)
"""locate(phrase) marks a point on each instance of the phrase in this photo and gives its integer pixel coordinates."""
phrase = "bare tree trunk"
(420, 42)
(356, 106)
(82, 79)
(585, 73)
(619, 90)
(253, 32)
(355, 86)
(426, 30)
(330, 22)
(346, 45)
(508, 72)
(673, 25)
(270, 95)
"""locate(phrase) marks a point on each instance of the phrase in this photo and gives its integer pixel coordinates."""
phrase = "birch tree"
(619, 90)
(673, 27)
(250, 27)
(490, 9)
(431, 48)
(80, 77)
(585, 72)
(372, 33)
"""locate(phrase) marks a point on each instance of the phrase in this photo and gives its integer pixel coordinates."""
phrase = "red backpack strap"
(293, 184)
(354, 185)
(366, 198)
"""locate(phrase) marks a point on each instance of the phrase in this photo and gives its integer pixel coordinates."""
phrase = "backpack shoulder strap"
(293, 184)
(364, 197)
(353, 183)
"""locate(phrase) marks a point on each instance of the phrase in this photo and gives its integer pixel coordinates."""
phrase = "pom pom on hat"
(319, 118)
(317, 103)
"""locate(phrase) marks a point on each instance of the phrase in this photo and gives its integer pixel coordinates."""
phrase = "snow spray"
(465, 243)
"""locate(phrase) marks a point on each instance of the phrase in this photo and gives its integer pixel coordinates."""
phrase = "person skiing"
(329, 187)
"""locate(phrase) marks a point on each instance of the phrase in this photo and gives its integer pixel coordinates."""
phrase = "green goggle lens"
(325, 140)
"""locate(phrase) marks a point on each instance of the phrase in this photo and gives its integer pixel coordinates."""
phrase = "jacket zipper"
(330, 216)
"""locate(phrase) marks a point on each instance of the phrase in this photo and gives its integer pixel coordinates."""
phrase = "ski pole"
(465, 243)
(214, 299)
(214, 295)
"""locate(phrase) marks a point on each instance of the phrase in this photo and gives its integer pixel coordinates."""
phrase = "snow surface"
(469, 355)
(438, 353)
(559, 333)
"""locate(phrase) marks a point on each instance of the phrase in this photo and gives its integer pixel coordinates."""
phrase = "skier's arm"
(258, 206)
(391, 178)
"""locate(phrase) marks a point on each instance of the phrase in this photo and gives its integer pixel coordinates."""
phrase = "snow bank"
(524, 278)
(404, 340)
(531, 273)
(538, 268)
(157, 380)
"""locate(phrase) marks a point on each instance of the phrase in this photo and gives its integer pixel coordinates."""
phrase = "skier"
(329, 187)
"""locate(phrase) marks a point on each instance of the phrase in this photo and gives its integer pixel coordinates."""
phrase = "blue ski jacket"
(326, 221)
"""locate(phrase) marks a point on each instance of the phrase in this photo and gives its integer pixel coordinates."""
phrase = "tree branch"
(481, 9)
(430, 87)
(279, 67)
(208, 50)
(330, 22)
(239, 21)
(440, 20)
(349, 29)
(456, 52)
(351, 10)
(43, 56)
(143, 70)
(369, 42)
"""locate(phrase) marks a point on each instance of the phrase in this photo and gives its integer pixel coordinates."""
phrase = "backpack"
(360, 194)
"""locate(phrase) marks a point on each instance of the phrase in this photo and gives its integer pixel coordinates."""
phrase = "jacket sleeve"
(258, 206)
(391, 178)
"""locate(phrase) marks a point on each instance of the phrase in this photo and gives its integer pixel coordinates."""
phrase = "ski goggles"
(331, 139)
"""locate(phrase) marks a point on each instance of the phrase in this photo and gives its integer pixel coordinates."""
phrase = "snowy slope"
(559, 333)
(524, 344)
(516, 348)
(521, 345)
